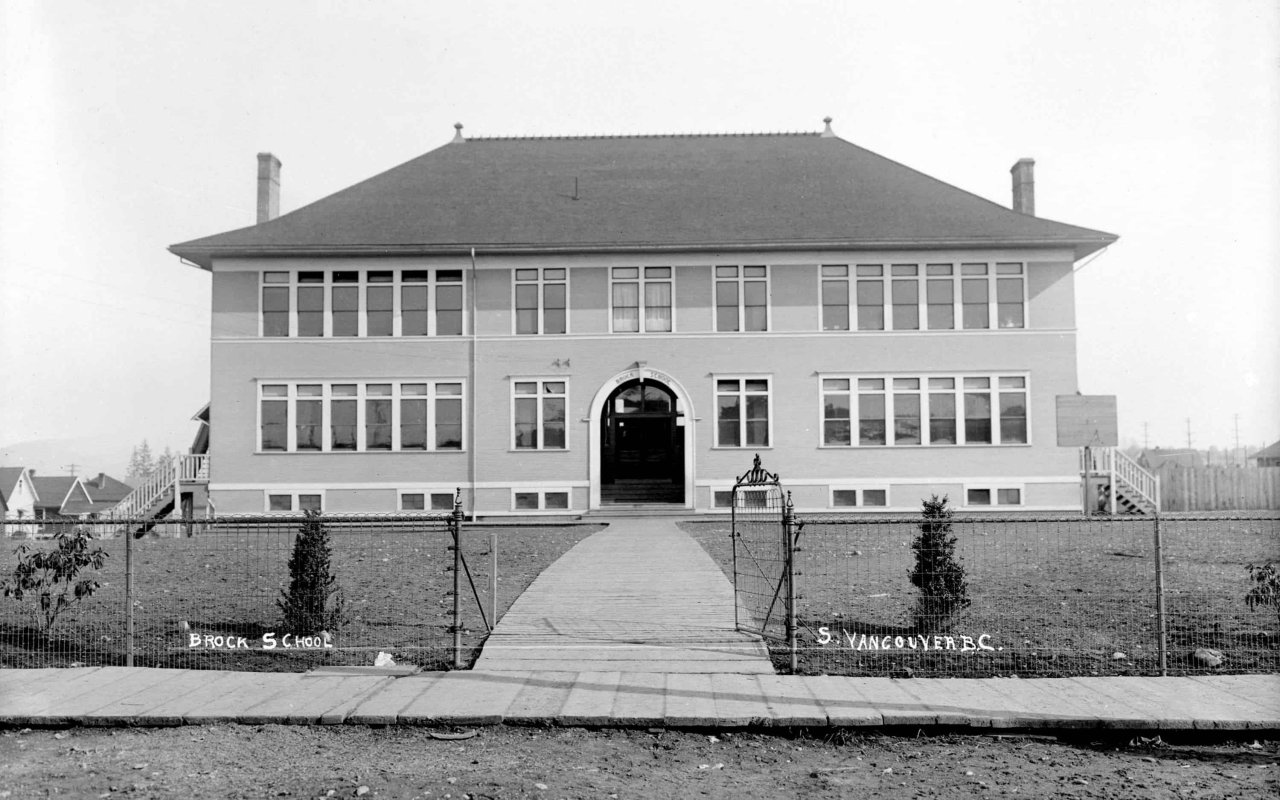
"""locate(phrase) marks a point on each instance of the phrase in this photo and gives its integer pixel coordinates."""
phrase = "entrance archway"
(642, 450)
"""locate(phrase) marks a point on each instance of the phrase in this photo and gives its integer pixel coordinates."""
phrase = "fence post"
(1162, 643)
(493, 577)
(128, 597)
(789, 542)
(455, 525)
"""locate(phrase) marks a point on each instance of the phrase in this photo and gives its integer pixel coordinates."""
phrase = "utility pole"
(1188, 433)
(1146, 437)
(71, 468)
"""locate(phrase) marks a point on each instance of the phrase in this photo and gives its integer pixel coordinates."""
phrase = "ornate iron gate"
(763, 532)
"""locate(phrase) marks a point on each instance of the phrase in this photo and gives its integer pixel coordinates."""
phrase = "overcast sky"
(128, 126)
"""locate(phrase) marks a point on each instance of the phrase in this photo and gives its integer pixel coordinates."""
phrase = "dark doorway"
(642, 456)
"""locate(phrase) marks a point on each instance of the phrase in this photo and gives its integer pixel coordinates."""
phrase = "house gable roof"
(106, 489)
(595, 194)
(52, 492)
(1270, 451)
(9, 477)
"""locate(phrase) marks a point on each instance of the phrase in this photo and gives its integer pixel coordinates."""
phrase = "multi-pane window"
(641, 299)
(919, 410)
(345, 303)
(295, 501)
(853, 498)
(538, 408)
(909, 297)
(423, 501)
(835, 297)
(742, 298)
(742, 412)
(337, 417)
(992, 495)
(541, 300)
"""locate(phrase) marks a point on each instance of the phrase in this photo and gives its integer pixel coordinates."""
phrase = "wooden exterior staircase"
(159, 494)
(1124, 486)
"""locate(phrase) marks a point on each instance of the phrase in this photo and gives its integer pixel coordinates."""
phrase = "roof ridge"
(638, 136)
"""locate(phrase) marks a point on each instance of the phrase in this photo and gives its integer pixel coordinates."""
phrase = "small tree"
(306, 605)
(1266, 590)
(141, 464)
(937, 572)
(51, 578)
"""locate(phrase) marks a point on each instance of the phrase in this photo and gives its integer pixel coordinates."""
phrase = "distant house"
(52, 493)
(1156, 458)
(18, 491)
(95, 496)
(1267, 457)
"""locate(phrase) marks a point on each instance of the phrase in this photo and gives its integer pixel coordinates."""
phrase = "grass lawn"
(224, 582)
(1053, 598)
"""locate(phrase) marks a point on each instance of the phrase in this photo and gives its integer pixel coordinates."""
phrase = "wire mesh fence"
(1032, 596)
(221, 594)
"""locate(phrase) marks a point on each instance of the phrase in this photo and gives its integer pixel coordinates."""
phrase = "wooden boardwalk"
(361, 696)
(639, 596)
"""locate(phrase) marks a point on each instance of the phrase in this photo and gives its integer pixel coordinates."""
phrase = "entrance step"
(624, 510)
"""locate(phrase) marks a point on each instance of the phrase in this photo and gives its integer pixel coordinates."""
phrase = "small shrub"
(937, 572)
(51, 578)
(1266, 591)
(307, 603)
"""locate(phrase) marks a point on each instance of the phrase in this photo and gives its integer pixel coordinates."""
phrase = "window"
(870, 297)
(742, 412)
(742, 298)
(747, 498)
(906, 297)
(540, 500)
(373, 303)
(541, 301)
(424, 415)
(940, 294)
(850, 497)
(1013, 410)
(985, 292)
(275, 417)
(539, 411)
(379, 304)
(275, 304)
(985, 496)
(835, 297)
(295, 501)
(423, 501)
(923, 410)
(310, 428)
(1009, 295)
(641, 299)
(974, 293)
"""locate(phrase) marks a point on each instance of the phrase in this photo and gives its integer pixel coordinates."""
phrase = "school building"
(563, 325)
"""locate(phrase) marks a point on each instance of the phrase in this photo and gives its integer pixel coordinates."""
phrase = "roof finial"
(457, 135)
(827, 133)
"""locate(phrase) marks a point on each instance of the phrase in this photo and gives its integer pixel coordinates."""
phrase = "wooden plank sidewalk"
(123, 696)
(639, 596)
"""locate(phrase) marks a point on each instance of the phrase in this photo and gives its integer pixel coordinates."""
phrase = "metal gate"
(763, 532)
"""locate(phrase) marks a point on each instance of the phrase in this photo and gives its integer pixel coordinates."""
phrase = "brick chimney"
(1024, 186)
(268, 187)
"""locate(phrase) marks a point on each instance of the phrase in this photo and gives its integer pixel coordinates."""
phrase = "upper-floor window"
(538, 409)
(372, 303)
(909, 297)
(336, 417)
(641, 299)
(742, 298)
(923, 410)
(541, 300)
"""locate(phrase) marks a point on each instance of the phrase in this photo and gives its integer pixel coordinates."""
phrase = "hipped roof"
(600, 194)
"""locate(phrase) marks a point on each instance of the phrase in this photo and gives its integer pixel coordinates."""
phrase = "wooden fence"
(1219, 488)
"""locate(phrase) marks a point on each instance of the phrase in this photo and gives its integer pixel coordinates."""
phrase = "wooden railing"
(164, 481)
(1114, 463)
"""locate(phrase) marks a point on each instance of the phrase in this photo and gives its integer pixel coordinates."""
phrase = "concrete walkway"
(367, 696)
(639, 596)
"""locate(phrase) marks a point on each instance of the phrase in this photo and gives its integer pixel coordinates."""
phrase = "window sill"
(919, 446)
(538, 450)
(354, 452)
(742, 448)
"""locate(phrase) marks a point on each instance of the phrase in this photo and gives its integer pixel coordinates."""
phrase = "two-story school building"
(558, 325)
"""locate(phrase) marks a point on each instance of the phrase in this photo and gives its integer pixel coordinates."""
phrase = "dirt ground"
(499, 762)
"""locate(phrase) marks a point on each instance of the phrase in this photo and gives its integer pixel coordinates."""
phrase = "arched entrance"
(642, 444)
